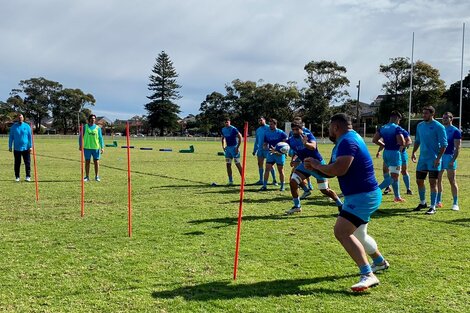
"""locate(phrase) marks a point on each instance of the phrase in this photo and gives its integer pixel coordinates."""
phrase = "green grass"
(180, 258)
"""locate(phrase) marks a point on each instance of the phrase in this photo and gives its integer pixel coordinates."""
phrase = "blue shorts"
(426, 165)
(91, 153)
(363, 205)
(446, 158)
(301, 168)
(404, 158)
(272, 158)
(230, 152)
(392, 158)
(261, 153)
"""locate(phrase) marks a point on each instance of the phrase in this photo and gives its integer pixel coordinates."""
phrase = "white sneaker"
(455, 207)
(293, 210)
(86, 178)
(97, 178)
(28, 178)
(381, 267)
(17, 179)
(365, 282)
(305, 195)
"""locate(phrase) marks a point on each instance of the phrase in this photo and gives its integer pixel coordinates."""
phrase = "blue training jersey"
(260, 132)
(360, 176)
(273, 137)
(452, 133)
(20, 138)
(230, 134)
(389, 134)
(297, 146)
(431, 136)
(406, 134)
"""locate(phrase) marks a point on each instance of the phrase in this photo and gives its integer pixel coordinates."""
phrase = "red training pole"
(129, 185)
(82, 211)
(240, 208)
(35, 165)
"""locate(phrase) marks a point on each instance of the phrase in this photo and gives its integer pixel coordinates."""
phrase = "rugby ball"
(282, 147)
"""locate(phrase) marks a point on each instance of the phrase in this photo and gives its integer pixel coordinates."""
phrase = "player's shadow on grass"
(231, 221)
(226, 290)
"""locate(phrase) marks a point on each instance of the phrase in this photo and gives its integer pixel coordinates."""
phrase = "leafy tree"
(162, 111)
(66, 107)
(38, 95)
(452, 97)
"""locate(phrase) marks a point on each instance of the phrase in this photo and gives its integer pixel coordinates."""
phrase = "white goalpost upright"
(461, 77)
(411, 82)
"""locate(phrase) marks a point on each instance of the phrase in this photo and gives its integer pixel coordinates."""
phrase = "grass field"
(180, 258)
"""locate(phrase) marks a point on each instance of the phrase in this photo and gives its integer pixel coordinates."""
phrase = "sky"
(108, 48)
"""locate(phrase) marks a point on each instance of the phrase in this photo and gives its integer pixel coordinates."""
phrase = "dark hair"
(91, 115)
(296, 124)
(273, 120)
(342, 119)
(449, 115)
(298, 118)
(262, 118)
(430, 108)
(396, 114)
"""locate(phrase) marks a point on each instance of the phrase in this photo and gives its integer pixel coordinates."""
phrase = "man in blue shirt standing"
(20, 142)
(231, 140)
(390, 137)
(261, 152)
(352, 164)
(449, 160)
(432, 139)
(271, 138)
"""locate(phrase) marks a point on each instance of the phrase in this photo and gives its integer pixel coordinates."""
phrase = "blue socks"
(406, 180)
(265, 183)
(422, 195)
(378, 260)
(395, 187)
(304, 188)
(365, 269)
(386, 182)
(261, 174)
(273, 174)
(456, 200)
(433, 199)
(439, 197)
(310, 187)
(296, 202)
(338, 202)
(230, 179)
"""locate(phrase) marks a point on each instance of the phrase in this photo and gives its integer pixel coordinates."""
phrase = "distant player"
(93, 146)
(431, 137)
(20, 142)
(305, 146)
(352, 164)
(390, 137)
(261, 152)
(231, 140)
(295, 161)
(271, 138)
(449, 160)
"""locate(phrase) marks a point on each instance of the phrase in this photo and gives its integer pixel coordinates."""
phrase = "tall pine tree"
(162, 110)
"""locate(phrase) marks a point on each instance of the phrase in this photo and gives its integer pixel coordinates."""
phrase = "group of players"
(352, 164)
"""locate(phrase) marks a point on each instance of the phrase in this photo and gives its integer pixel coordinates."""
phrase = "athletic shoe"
(431, 211)
(409, 192)
(86, 178)
(455, 207)
(28, 178)
(439, 205)
(259, 182)
(365, 282)
(420, 207)
(387, 190)
(305, 195)
(275, 183)
(97, 178)
(282, 188)
(293, 210)
(379, 267)
(17, 179)
(263, 188)
(399, 200)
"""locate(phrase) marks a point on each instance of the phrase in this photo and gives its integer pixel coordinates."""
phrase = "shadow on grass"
(194, 233)
(226, 290)
(229, 221)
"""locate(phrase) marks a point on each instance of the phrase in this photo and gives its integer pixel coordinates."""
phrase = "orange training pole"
(82, 211)
(35, 165)
(240, 208)
(129, 185)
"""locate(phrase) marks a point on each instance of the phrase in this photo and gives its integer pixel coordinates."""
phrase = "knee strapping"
(323, 186)
(296, 178)
(370, 246)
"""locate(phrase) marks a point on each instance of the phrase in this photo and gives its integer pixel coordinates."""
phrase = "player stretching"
(431, 137)
(271, 138)
(262, 153)
(390, 137)
(449, 160)
(231, 140)
(352, 163)
(304, 145)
